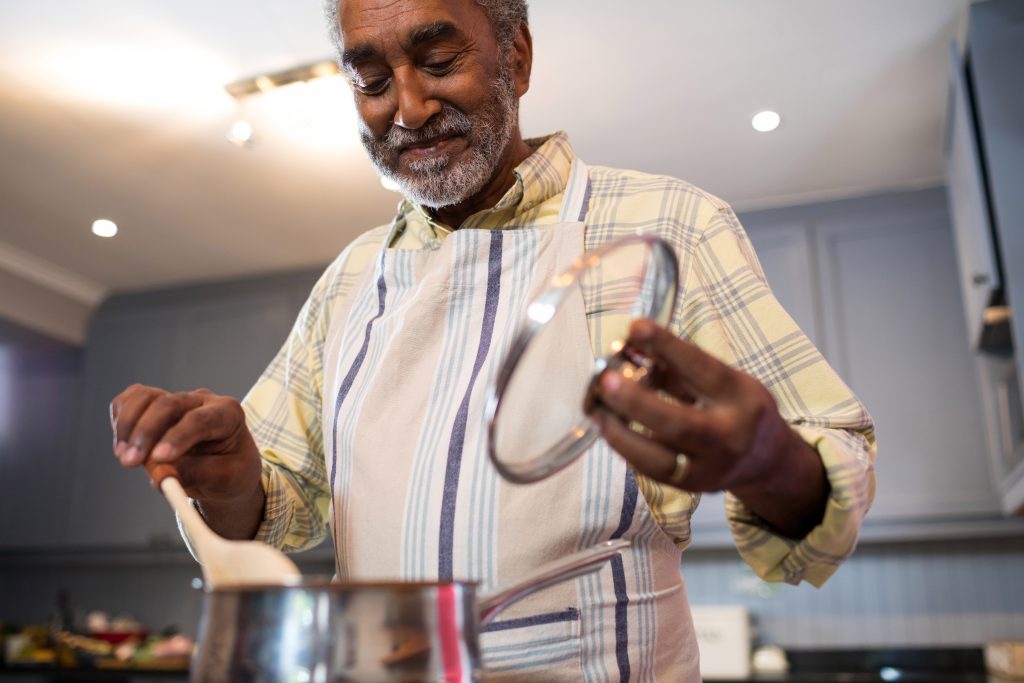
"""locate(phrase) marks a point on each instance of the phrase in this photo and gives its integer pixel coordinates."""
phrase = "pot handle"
(577, 564)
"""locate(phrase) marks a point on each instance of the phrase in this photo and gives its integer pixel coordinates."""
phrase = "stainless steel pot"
(328, 632)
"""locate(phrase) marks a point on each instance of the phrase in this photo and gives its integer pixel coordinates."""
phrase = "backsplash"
(922, 594)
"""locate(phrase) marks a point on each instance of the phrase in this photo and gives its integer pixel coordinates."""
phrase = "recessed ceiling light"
(240, 133)
(104, 228)
(765, 121)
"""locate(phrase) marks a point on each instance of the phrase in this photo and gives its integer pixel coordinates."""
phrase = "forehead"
(363, 21)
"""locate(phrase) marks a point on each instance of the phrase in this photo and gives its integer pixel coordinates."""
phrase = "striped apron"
(409, 354)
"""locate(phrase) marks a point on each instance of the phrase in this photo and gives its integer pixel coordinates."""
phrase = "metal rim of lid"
(581, 436)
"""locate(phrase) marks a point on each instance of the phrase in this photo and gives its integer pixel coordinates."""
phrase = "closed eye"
(370, 87)
(441, 66)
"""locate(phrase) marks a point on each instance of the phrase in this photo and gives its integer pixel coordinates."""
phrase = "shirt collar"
(541, 176)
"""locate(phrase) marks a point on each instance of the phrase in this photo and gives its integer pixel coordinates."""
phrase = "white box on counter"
(724, 638)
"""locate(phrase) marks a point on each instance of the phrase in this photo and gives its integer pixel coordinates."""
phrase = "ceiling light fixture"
(765, 121)
(104, 228)
(241, 131)
(266, 82)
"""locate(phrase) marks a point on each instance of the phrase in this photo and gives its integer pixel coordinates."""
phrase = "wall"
(960, 592)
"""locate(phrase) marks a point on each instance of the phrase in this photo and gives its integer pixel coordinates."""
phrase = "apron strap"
(577, 194)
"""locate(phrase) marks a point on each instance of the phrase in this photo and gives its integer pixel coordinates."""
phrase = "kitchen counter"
(908, 665)
(50, 674)
(915, 665)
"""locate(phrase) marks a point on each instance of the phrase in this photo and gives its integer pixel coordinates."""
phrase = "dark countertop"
(52, 674)
(906, 665)
(903, 665)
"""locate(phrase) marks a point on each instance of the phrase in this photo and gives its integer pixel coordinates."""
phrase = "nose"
(416, 103)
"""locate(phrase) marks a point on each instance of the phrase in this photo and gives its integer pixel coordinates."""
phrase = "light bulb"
(765, 121)
(240, 133)
(104, 228)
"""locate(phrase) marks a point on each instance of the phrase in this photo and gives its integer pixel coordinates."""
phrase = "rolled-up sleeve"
(729, 310)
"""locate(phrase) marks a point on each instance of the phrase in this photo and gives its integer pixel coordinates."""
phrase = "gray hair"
(506, 16)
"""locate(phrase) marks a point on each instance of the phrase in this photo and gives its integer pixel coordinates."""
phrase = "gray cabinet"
(221, 333)
(1000, 389)
(873, 283)
(109, 505)
(218, 336)
(968, 205)
(995, 58)
(892, 318)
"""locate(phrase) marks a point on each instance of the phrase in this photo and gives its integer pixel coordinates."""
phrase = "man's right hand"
(205, 438)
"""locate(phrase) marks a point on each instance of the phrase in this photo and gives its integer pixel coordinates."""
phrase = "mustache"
(446, 123)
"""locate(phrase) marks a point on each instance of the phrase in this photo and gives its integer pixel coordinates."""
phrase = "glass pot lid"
(537, 420)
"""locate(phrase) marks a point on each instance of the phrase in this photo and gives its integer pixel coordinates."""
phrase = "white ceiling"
(115, 108)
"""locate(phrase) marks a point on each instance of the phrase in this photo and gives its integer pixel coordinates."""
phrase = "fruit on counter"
(31, 646)
(84, 644)
(167, 652)
(114, 630)
(77, 650)
(39, 645)
(97, 622)
(173, 647)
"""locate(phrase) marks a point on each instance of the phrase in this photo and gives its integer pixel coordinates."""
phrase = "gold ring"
(681, 470)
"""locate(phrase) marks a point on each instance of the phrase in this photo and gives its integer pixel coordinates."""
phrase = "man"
(370, 420)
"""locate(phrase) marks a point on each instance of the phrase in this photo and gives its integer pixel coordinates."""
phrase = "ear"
(522, 59)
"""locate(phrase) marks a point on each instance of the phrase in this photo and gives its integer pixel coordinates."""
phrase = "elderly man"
(370, 420)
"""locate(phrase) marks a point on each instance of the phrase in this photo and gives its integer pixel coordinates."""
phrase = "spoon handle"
(165, 480)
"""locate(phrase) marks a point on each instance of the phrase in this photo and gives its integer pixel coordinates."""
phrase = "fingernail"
(120, 447)
(611, 381)
(133, 456)
(161, 452)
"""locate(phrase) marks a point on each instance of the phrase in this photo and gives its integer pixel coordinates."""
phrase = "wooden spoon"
(224, 562)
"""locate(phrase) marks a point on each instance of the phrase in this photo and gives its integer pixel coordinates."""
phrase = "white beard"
(443, 181)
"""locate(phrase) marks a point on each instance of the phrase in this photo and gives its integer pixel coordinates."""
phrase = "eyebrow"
(430, 32)
(418, 36)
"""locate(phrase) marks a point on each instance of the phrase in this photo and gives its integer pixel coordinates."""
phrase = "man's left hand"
(724, 422)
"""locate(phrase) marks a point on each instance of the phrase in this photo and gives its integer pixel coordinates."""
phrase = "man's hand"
(725, 422)
(205, 438)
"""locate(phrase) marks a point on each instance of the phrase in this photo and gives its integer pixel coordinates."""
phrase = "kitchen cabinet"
(218, 336)
(1000, 388)
(896, 338)
(872, 282)
(980, 282)
(995, 53)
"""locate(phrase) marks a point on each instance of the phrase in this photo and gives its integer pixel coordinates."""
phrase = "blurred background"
(886, 208)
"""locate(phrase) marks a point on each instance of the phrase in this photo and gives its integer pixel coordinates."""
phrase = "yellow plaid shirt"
(725, 306)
